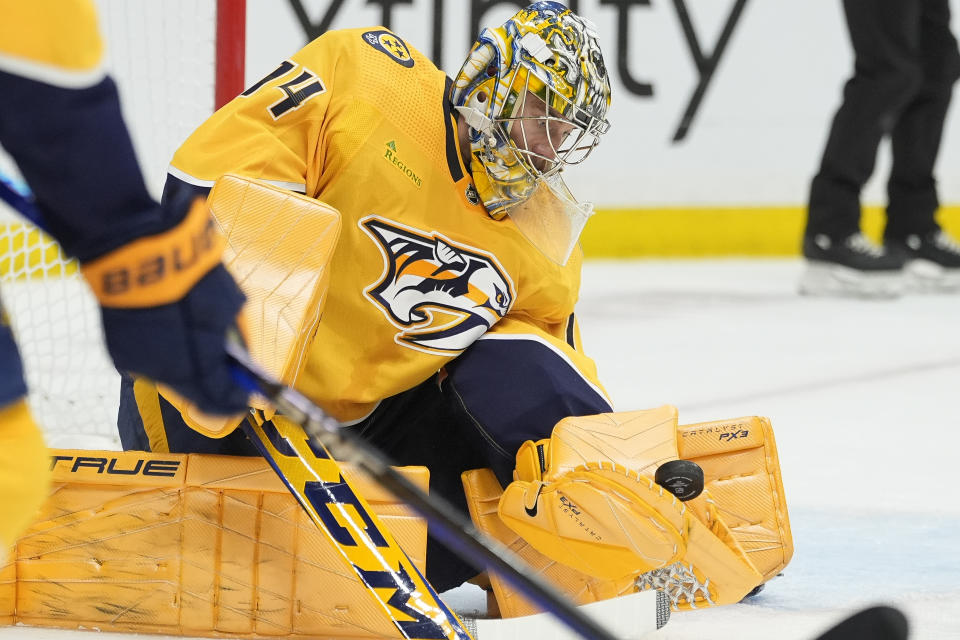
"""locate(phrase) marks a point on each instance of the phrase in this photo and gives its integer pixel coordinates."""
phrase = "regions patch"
(390, 155)
(390, 44)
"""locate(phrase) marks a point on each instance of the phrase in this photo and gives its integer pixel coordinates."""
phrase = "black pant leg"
(885, 38)
(419, 427)
(912, 189)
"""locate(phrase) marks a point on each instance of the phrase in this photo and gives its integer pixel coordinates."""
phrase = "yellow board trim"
(715, 231)
(663, 232)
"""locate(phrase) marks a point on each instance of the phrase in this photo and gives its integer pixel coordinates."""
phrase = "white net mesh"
(680, 583)
(162, 56)
(73, 386)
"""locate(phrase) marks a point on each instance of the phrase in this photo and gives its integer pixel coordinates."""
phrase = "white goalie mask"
(534, 93)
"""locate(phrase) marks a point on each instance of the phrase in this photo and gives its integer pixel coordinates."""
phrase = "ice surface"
(864, 401)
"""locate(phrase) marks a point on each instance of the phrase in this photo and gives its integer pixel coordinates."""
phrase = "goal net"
(163, 57)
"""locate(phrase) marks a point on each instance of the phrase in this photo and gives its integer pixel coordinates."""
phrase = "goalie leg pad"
(192, 545)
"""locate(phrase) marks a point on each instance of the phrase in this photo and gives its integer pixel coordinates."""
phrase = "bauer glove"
(167, 303)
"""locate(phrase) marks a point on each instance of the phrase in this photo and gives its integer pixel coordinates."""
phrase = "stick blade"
(875, 623)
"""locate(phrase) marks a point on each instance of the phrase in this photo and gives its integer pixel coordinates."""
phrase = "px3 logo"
(734, 435)
(440, 294)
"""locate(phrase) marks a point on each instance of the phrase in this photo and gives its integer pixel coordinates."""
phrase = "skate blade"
(823, 279)
(923, 276)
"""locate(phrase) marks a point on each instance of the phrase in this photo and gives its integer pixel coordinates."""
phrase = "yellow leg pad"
(483, 497)
(742, 473)
(191, 545)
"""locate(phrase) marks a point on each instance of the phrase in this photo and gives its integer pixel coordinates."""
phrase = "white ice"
(864, 399)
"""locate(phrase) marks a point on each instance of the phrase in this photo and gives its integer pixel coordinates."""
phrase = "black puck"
(682, 478)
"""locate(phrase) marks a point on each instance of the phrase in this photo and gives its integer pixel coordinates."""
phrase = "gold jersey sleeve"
(54, 41)
(362, 121)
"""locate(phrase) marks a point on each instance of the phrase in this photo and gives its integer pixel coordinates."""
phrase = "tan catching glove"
(586, 498)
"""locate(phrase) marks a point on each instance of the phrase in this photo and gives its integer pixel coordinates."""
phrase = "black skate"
(933, 262)
(851, 266)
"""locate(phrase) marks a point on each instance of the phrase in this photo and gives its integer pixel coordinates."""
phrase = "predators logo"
(442, 296)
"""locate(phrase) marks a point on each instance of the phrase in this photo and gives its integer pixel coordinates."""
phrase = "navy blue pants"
(492, 398)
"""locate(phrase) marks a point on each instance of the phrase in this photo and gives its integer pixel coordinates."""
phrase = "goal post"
(174, 62)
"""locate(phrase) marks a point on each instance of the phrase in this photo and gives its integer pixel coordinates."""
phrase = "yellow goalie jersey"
(362, 121)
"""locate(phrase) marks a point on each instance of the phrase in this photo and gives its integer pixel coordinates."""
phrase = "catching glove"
(586, 498)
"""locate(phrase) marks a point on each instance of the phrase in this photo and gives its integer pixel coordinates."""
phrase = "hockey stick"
(449, 525)
(873, 623)
(18, 201)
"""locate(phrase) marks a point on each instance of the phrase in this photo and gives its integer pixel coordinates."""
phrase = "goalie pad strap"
(158, 269)
(192, 545)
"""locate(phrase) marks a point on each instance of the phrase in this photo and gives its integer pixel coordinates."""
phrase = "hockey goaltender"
(408, 249)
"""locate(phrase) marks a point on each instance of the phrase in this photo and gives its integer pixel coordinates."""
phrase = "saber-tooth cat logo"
(441, 295)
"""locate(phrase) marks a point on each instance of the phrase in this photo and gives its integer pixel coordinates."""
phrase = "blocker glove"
(167, 304)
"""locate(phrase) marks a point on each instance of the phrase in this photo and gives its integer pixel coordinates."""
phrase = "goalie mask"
(534, 92)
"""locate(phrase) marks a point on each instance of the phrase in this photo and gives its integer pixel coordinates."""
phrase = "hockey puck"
(682, 478)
